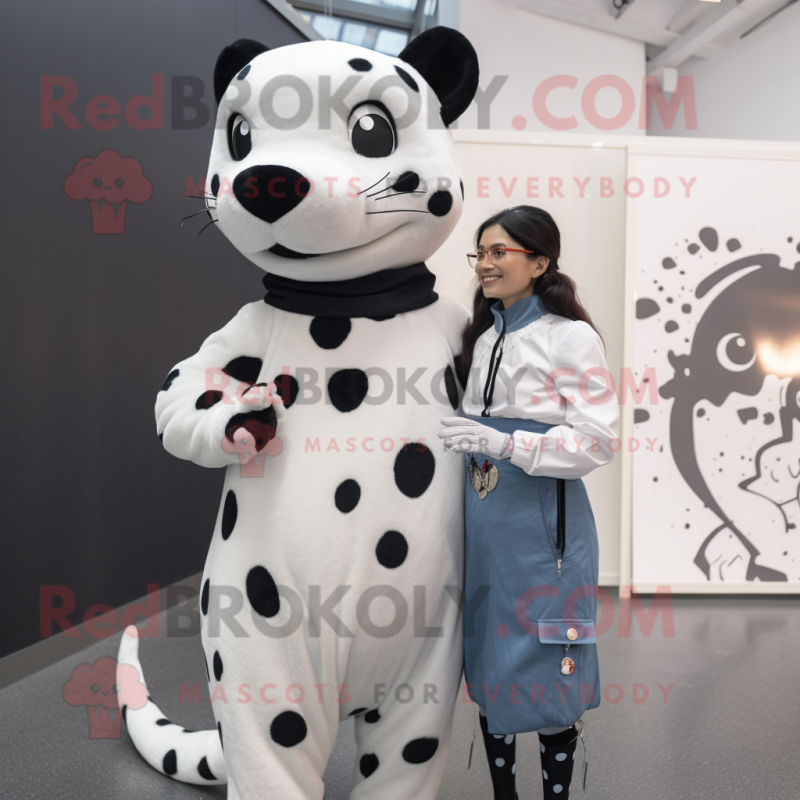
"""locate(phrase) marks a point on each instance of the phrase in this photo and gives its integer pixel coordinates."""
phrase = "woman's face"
(511, 278)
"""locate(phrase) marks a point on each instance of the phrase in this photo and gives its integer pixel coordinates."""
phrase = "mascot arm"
(209, 410)
(452, 317)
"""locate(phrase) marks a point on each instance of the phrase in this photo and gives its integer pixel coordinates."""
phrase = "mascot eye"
(94, 688)
(97, 183)
(371, 132)
(239, 142)
(119, 183)
(735, 353)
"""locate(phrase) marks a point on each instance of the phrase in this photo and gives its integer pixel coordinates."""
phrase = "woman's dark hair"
(535, 230)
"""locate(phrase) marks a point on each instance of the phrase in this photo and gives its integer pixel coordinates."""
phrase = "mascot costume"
(332, 586)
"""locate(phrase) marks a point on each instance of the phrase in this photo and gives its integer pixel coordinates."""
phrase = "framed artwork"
(714, 265)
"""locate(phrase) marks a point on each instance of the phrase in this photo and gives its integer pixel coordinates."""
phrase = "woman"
(540, 413)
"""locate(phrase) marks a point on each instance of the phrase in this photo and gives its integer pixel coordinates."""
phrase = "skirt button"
(572, 634)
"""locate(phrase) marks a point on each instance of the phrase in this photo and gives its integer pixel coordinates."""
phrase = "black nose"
(268, 192)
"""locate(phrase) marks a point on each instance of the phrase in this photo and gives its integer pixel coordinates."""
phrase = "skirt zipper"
(561, 533)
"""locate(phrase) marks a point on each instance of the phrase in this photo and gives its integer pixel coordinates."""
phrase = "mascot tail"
(188, 756)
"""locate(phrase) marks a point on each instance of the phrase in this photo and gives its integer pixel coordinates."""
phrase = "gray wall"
(92, 322)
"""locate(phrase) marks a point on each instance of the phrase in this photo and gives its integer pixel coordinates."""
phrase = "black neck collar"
(381, 294)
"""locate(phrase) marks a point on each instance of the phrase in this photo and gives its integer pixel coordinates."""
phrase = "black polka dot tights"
(501, 752)
(557, 751)
(558, 756)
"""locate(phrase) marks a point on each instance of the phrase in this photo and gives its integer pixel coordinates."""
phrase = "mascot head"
(331, 161)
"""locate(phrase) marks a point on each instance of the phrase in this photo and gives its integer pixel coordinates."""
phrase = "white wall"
(750, 89)
(529, 49)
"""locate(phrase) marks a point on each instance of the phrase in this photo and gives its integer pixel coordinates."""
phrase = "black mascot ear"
(232, 60)
(449, 63)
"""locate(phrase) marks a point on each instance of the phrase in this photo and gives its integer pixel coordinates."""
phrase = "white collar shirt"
(553, 370)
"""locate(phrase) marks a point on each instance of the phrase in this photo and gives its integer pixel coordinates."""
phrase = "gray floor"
(727, 730)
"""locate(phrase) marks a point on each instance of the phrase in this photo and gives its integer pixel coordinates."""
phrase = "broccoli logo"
(109, 182)
(95, 686)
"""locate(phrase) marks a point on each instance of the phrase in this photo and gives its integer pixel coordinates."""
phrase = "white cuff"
(526, 445)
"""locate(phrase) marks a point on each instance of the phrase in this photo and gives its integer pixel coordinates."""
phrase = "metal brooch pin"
(483, 479)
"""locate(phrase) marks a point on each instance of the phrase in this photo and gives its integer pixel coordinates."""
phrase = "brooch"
(483, 479)
(567, 664)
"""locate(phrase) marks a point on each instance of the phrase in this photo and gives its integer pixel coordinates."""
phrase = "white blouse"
(553, 370)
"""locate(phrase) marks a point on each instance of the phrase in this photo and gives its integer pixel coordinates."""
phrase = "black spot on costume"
(169, 379)
(421, 750)
(360, 64)
(368, 764)
(347, 388)
(413, 469)
(407, 79)
(205, 770)
(286, 387)
(329, 332)
(348, 493)
(262, 592)
(243, 368)
(230, 513)
(170, 763)
(207, 400)
(392, 549)
(288, 729)
(204, 596)
(450, 387)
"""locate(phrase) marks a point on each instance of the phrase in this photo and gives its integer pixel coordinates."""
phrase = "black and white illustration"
(718, 328)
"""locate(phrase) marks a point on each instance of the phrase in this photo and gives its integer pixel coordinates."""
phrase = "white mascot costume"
(333, 583)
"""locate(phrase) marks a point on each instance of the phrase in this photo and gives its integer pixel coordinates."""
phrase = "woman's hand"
(464, 435)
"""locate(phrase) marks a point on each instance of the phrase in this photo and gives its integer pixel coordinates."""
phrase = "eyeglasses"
(496, 255)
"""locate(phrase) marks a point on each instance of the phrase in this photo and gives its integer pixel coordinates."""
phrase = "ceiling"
(673, 30)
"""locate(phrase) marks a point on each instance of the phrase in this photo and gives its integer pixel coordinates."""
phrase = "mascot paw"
(249, 427)
(260, 396)
(254, 421)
